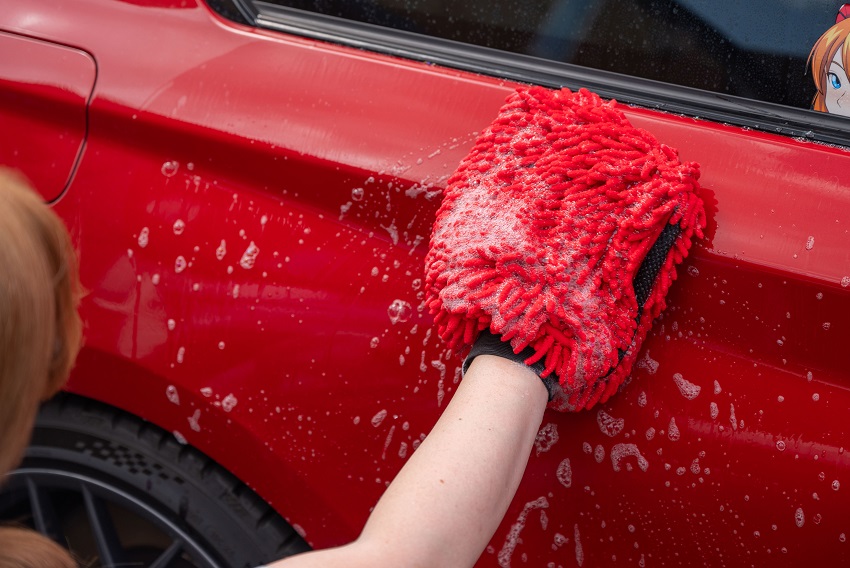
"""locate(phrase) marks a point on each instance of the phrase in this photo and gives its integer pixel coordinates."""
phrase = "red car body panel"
(44, 90)
(252, 209)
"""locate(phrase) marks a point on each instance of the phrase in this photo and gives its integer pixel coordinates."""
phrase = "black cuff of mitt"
(490, 344)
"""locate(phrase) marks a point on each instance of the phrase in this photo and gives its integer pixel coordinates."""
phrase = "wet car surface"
(252, 206)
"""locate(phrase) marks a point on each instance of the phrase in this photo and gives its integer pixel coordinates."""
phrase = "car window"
(756, 49)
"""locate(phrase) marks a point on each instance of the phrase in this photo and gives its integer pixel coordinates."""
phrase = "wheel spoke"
(106, 537)
(169, 555)
(43, 513)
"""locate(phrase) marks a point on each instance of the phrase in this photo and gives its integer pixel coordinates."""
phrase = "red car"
(250, 186)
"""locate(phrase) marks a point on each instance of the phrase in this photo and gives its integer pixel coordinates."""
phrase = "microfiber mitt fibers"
(543, 232)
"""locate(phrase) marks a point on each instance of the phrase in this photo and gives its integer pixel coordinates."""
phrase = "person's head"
(829, 59)
(23, 548)
(40, 329)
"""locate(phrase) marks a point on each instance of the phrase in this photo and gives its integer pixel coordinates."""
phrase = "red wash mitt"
(545, 236)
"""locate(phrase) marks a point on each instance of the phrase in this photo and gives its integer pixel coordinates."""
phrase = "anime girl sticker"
(829, 59)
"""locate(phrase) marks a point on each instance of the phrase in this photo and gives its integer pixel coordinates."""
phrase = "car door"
(253, 208)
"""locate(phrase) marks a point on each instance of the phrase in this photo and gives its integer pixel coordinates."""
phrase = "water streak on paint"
(379, 417)
(512, 538)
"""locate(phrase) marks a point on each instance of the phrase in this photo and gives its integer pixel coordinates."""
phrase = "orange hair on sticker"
(822, 54)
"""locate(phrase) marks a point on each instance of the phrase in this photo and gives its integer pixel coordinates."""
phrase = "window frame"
(635, 91)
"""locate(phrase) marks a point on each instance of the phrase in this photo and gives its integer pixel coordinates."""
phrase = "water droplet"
(673, 430)
(695, 469)
(264, 219)
(546, 438)
(235, 290)
(836, 485)
(155, 279)
(642, 399)
(229, 402)
(688, 389)
(221, 250)
(816, 397)
(620, 451)
(810, 243)
(374, 342)
(713, 410)
(693, 271)
(819, 295)
(799, 517)
(144, 236)
(357, 194)
(249, 256)
(842, 537)
(181, 353)
(648, 363)
(845, 282)
(207, 392)
(609, 425)
(599, 453)
(717, 389)
(780, 445)
(179, 264)
(564, 473)
(179, 227)
(171, 324)
(399, 311)
(172, 395)
(379, 417)
(221, 344)
(181, 439)
(170, 168)
(826, 325)
(193, 421)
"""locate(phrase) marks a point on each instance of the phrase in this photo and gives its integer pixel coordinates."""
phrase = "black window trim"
(635, 91)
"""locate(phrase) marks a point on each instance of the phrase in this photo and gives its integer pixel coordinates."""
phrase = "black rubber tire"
(147, 499)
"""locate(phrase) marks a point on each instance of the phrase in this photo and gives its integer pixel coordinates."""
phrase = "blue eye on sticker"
(834, 80)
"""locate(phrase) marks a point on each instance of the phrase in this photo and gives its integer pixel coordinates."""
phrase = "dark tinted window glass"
(750, 48)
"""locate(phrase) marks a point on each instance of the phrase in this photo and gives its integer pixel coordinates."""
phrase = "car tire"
(116, 490)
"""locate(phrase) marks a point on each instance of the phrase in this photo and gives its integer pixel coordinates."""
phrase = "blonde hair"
(40, 328)
(821, 56)
(24, 548)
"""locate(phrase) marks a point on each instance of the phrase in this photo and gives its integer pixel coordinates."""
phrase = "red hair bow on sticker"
(843, 13)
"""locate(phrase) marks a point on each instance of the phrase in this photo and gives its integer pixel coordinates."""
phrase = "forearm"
(448, 500)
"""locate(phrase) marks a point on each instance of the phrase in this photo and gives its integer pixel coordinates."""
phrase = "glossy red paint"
(44, 89)
(252, 210)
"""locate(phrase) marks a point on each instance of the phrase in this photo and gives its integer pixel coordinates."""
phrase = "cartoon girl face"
(837, 95)
(830, 61)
